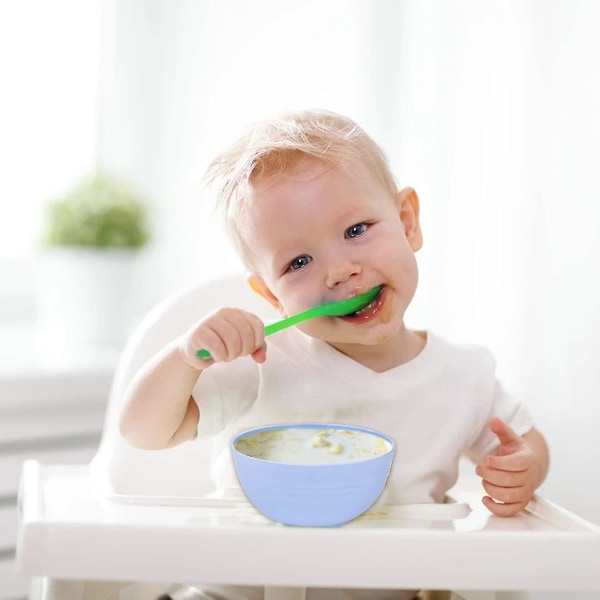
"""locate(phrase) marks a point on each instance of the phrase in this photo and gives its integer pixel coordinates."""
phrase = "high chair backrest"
(117, 467)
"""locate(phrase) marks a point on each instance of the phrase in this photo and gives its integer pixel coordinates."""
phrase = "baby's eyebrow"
(353, 213)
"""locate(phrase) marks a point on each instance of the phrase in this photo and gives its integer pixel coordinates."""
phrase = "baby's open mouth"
(368, 306)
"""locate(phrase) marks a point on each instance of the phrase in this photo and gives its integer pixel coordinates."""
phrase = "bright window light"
(49, 60)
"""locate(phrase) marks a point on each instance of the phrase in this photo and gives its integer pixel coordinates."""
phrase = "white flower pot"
(82, 297)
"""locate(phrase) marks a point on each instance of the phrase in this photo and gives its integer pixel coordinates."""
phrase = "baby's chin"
(367, 343)
(368, 334)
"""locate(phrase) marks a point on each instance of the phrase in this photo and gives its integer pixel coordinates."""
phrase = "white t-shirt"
(436, 407)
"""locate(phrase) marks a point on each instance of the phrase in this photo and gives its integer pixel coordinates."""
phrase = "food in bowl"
(312, 474)
(312, 445)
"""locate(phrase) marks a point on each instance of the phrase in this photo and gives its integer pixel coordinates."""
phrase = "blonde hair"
(271, 148)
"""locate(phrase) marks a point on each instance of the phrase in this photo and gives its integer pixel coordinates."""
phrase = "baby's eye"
(356, 230)
(299, 262)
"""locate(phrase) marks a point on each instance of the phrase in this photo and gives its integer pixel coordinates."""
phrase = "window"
(49, 60)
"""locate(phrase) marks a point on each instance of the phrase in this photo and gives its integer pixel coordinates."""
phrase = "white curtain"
(488, 108)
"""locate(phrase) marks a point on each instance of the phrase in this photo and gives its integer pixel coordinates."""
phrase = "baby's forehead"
(304, 170)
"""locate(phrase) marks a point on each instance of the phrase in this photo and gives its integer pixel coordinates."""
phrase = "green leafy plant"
(100, 212)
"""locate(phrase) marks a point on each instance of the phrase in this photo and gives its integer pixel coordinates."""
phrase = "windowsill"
(32, 373)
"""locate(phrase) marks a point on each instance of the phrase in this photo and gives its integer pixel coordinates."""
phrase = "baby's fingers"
(504, 509)
(509, 491)
(518, 461)
(260, 355)
(502, 478)
(508, 495)
(226, 335)
(242, 333)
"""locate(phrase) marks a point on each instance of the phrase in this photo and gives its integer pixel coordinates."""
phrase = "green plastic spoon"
(335, 309)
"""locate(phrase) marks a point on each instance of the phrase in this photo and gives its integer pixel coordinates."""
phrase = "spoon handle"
(290, 321)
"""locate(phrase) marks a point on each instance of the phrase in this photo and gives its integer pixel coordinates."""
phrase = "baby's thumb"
(505, 434)
(260, 355)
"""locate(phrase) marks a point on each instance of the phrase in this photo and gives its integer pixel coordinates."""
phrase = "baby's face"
(319, 235)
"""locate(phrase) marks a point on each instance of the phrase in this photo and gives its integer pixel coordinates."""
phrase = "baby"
(316, 216)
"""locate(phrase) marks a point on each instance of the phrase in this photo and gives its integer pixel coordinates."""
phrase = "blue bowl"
(313, 495)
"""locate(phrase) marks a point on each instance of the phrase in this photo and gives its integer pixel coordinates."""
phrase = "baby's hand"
(227, 333)
(511, 476)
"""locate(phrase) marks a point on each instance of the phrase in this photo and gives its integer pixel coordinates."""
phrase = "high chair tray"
(67, 530)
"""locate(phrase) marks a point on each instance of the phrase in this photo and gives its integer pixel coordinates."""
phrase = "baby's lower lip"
(370, 312)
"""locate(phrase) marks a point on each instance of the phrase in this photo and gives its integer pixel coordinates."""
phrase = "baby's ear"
(261, 288)
(408, 207)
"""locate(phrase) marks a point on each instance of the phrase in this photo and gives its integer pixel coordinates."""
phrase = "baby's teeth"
(362, 310)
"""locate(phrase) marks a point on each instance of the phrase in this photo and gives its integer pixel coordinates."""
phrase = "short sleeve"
(512, 412)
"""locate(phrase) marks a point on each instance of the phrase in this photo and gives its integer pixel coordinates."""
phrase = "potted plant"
(91, 238)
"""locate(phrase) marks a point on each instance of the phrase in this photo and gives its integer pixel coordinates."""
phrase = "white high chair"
(86, 532)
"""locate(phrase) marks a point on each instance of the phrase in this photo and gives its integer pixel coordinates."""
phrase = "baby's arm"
(159, 411)
(518, 468)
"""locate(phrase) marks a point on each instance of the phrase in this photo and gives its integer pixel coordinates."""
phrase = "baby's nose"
(341, 271)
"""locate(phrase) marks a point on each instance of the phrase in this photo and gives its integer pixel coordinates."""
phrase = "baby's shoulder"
(462, 355)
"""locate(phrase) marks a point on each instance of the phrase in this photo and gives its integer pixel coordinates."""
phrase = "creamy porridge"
(304, 445)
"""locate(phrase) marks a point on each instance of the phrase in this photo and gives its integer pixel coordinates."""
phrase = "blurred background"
(488, 108)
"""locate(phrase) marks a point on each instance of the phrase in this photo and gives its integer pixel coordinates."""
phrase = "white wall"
(499, 131)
